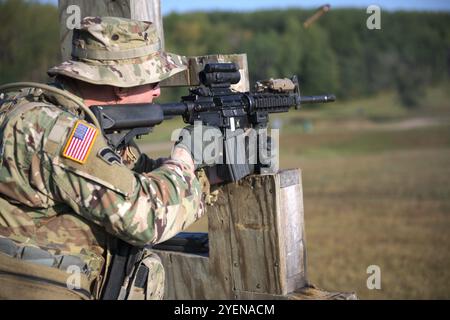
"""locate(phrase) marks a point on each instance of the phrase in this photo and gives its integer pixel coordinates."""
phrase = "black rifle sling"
(124, 258)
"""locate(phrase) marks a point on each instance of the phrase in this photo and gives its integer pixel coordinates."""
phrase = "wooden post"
(256, 246)
(264, 257)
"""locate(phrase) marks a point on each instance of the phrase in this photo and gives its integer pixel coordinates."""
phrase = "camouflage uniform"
(54, 203)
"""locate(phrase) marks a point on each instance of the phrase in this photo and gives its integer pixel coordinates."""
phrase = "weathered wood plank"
(246, 295)
(304, 293)
(255, 235)
(267, 230)
(187, 276)
(220, 259)
(314, 293)
(289, 178)
(292, 226)
(256, 246)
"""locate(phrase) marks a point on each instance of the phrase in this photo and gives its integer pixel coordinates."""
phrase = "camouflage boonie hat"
(118, 52)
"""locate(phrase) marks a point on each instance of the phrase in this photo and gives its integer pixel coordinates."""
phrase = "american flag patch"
(80, 142)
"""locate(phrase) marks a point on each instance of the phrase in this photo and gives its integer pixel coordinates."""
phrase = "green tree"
(29, 40)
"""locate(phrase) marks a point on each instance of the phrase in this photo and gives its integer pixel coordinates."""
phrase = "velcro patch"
(109, 156)
(80, 142)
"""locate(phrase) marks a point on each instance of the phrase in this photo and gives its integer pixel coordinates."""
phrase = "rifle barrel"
(182, 108)
(318, 99)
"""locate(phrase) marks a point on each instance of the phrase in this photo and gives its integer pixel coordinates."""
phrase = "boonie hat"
(118, 52)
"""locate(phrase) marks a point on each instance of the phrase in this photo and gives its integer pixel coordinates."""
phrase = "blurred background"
(375, 164)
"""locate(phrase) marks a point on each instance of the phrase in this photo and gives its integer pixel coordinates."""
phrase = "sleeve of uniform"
(146, 164)
(138, 208)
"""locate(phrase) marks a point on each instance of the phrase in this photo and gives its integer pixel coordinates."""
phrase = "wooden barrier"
(256, 246)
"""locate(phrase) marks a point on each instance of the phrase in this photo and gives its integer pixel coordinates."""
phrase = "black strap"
(124, 257)
(189, 242)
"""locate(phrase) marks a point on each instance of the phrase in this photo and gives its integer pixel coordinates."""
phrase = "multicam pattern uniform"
(64, 207)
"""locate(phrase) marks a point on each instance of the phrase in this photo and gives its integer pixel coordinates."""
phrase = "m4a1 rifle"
(215, 104)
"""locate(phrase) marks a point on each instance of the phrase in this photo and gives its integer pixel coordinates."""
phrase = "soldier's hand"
(181, 154)
(195, 138)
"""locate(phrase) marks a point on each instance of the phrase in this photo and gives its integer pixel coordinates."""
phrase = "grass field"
(377, 192)
(376, 182)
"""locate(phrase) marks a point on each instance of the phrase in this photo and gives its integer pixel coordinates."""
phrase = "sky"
(181, 6)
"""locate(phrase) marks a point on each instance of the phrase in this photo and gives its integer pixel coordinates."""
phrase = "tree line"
(338, 53)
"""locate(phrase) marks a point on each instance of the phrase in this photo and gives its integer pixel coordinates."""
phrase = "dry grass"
(391, 210)
(377, 196)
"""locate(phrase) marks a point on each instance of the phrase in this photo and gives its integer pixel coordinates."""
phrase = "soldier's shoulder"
(47, 114)
(17, 106)
(29, 122)
(41, 114)
(29, 100)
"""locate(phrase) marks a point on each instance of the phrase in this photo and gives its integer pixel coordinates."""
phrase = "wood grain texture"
(292, 224)
(256, 246)
(267, 233)
(305, 293)
(187, 276)
(220, 259)
(314, 293)
(256, 243)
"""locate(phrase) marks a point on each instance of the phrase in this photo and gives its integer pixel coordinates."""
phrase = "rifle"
(215, 104)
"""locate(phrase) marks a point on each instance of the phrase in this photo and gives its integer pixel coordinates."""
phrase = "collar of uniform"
(62, 101)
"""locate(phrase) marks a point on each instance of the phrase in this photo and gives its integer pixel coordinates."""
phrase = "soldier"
(68, 202)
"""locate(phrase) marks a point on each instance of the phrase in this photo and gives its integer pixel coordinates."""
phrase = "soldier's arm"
(139, 208)
(138, 161)
(146, 164)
